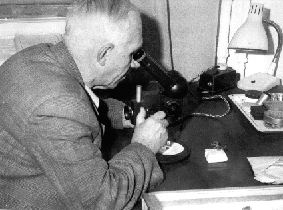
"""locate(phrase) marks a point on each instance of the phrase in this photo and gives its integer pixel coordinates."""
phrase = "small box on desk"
(257, 112)
(215, 80)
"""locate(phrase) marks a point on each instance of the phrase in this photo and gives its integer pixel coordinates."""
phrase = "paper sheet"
(268, 169)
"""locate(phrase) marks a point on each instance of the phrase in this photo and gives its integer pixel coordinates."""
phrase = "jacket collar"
(66, 60)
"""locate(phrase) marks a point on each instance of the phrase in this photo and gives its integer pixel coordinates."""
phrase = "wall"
(155, 29)
(194, 25)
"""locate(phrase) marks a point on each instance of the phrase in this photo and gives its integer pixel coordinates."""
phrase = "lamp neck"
(279, 32)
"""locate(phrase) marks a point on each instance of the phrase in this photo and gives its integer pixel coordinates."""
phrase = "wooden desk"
(235, 132)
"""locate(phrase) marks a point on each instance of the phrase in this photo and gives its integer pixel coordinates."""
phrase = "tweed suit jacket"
(50, 138)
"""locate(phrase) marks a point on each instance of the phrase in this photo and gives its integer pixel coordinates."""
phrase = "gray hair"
(114, 9)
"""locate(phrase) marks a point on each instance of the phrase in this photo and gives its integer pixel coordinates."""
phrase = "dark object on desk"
(170, 159)
(253, 94)
(257, 112)
(215, 81)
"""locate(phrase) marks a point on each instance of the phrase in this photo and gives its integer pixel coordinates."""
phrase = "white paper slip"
(215, 155)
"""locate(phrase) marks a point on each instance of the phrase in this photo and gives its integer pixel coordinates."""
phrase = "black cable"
(200, 114)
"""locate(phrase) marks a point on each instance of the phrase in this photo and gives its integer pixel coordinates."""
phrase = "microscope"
(170, 93)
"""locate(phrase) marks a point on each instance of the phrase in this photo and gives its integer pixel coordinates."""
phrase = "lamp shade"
(251, 35)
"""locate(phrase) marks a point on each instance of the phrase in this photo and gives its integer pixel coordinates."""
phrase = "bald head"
(98, 30)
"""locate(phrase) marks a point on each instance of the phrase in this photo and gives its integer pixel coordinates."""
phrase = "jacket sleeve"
(63, 138)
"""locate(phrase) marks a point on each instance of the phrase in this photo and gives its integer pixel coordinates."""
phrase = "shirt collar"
(93, 97)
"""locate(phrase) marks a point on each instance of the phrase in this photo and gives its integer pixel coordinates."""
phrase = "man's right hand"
(151, 132)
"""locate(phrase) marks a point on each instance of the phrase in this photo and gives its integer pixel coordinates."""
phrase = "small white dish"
(174, 149)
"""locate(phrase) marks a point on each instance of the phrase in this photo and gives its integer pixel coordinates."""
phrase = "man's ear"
(103, 52)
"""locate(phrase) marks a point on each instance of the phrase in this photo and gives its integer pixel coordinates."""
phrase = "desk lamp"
(251, 36)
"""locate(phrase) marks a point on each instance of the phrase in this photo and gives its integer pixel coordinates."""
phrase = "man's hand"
(151, 132)
(127, 123)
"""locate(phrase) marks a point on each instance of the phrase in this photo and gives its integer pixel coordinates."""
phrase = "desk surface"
(234, 131)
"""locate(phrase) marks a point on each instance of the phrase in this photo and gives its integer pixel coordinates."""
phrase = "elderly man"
(50, 133)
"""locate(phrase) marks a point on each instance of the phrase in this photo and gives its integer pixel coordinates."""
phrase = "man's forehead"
(135, 34)
(132, 28)
(135, 22)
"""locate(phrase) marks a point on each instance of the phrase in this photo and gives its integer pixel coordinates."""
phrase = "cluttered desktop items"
(264, 111)
(261, 107)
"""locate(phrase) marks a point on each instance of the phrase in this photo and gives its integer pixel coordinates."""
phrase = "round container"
(273, 119)
(274, 102)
